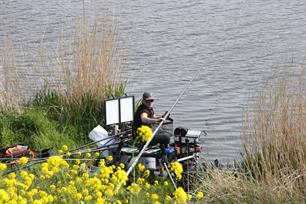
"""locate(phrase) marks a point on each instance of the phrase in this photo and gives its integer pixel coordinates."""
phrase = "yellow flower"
(147, 185)
(52, 187)
(88, 198)
(146, 174)
(11, 175)
(156, 182)
(144, 133)
(4, 196)
(177, 169)
(78, 196)
(134, 188)
(68, 154)
(121, 165)
(189, 196)
(88, 155)
(3, 167)
(141, 167)
(23, 161)
(168, 198)
(156, 202)
(141, 181)
(200, 195)
(97, 154)
(100, 201)
(110, 158)
(166, 183)
(155, 196)
(64, 148)
(180, 195)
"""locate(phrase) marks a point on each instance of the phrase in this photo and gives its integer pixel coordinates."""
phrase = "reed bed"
(275, 136)
(274, 149)
(87, 72)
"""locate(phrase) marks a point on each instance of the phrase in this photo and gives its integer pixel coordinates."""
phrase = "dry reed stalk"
(94, 62)
(9, 83)
(274, 135)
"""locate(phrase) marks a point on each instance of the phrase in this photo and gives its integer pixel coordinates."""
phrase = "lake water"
(234, 44)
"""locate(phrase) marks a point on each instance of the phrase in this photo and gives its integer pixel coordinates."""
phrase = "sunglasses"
(150, 101)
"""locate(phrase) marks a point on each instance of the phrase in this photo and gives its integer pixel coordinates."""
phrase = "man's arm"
(145, 119)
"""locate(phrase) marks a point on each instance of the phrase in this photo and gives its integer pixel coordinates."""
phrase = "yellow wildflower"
(141, 167)
(180, 195)
(110, 158)
(3, 167)
(200, 195)
(23, 161)
(52, 187)
(155, 196)
(147, 185)
(4, 196)
(88, 198)
(134, 188)
(144, 133)
(166, 183)
(97, 154)
(64, 148)
(88, 155)
(146, 174)
(78, 196)
(177, 169)
(168, 198)
(11, 175)
(100, 201)
(121, 165)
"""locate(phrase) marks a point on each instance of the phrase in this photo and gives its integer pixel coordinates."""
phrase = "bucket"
(99, 133)
(149, 162)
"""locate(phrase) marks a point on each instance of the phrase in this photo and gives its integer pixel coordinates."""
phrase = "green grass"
(33, 128)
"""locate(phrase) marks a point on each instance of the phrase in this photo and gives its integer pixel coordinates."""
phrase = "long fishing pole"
(155, 131)
(95, 142)
(43, 159)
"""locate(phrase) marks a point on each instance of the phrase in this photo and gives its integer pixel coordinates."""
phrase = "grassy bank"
(273, 166)
(90, 74)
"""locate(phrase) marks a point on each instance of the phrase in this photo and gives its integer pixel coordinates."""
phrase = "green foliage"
(33, 128)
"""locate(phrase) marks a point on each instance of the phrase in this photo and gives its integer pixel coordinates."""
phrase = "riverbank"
(272, 169)
(273, 165)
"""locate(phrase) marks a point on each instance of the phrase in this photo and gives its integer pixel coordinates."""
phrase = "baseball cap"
(147, 96)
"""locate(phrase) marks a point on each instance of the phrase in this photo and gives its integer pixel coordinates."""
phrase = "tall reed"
(95, 67)
(9, 83)
(274, 135)
(273, 163)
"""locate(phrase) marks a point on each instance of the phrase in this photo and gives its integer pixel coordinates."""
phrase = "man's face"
(148, 103)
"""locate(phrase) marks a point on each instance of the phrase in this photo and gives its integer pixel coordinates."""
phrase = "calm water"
(234, 44)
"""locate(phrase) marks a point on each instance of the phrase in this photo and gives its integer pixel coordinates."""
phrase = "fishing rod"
(95, 142)
(155, 131)
(41, 160)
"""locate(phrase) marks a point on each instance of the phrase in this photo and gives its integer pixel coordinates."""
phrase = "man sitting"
(145, 116)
